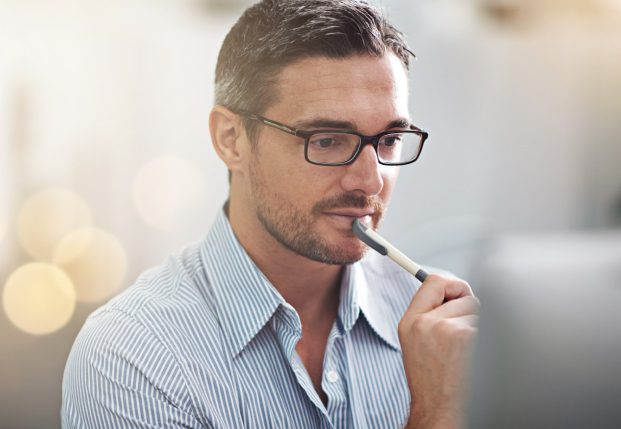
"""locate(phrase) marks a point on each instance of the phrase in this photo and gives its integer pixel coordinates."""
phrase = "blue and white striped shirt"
(205, 341)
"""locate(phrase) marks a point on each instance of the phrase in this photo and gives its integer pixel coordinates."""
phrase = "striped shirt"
(205, 341)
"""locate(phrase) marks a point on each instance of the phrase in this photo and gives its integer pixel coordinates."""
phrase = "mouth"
(346, 217)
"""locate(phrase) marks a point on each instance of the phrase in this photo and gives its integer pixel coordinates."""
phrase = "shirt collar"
(246, 299)
(357, 295)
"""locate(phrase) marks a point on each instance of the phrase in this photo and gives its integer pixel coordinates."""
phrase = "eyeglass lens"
(336, 148)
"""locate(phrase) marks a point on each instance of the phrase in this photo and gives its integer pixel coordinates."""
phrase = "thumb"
(436, 290)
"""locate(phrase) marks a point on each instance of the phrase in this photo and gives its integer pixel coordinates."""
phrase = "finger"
(435, 290)
(463, 306)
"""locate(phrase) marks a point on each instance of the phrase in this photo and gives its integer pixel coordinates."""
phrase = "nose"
(364, 174)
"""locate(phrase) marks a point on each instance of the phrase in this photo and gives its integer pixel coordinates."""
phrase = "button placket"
(333, 382)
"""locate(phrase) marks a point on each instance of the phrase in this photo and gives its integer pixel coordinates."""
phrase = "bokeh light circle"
(39, 298)
(165, 189)
(95, 260)
(46, 217)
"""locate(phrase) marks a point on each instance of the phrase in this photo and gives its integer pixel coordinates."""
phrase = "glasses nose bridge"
(372, 140)
(365, 140)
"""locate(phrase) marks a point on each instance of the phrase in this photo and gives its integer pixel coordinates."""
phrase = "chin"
(342, 254)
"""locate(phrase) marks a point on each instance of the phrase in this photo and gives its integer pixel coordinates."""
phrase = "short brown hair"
(274, 33)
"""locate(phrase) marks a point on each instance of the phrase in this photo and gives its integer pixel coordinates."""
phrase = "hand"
(435, 333)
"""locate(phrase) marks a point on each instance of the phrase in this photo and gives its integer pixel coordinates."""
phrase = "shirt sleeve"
(119, 375)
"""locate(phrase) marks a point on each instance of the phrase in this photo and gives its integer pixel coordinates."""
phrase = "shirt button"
(333, 376)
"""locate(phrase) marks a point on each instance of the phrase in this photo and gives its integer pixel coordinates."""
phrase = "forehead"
(359, 89)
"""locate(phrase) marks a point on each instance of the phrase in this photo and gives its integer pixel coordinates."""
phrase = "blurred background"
(106, 164)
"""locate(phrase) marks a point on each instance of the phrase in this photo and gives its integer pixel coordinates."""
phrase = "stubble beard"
(297, 230)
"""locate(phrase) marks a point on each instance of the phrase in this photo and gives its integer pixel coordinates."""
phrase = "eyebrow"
(325, 123)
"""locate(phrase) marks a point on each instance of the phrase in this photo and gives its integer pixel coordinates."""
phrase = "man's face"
(310, 209)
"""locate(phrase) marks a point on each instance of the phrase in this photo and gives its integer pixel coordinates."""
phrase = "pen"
(379, 244)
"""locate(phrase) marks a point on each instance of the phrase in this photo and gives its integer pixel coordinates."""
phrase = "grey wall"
(523, 121)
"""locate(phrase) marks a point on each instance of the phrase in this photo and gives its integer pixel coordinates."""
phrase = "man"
(275, 320)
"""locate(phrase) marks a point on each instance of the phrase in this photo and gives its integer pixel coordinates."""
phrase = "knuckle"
(462, 283)
(464, 335)
(453, 331)
(412, 325)
(443, 327)
(448, 280)
(421, 322)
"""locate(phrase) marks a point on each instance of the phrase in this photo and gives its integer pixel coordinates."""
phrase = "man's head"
(275, 33)
(309, 64)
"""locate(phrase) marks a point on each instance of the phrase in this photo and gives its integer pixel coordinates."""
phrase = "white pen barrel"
(403, 260)
(400, 258)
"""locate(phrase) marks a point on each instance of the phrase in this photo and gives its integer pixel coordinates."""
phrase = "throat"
(311, 352)
(312, 346)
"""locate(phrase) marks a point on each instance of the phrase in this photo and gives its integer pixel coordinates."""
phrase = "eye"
(392, 140)
(328, 141)
(324, 142)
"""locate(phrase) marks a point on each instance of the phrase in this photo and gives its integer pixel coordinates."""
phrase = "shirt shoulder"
(157, 339)
(167, 299)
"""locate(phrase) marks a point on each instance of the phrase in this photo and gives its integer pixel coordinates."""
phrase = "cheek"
(286, 179)
(390, 176)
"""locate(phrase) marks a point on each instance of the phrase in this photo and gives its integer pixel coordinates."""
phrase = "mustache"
(345, 201)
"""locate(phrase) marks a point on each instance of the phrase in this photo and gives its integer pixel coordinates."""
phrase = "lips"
(344, 218)
(357, 213)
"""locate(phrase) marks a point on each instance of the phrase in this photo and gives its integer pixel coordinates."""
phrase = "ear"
(227, 136)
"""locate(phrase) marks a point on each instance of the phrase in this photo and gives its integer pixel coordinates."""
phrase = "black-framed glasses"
(334, 147)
